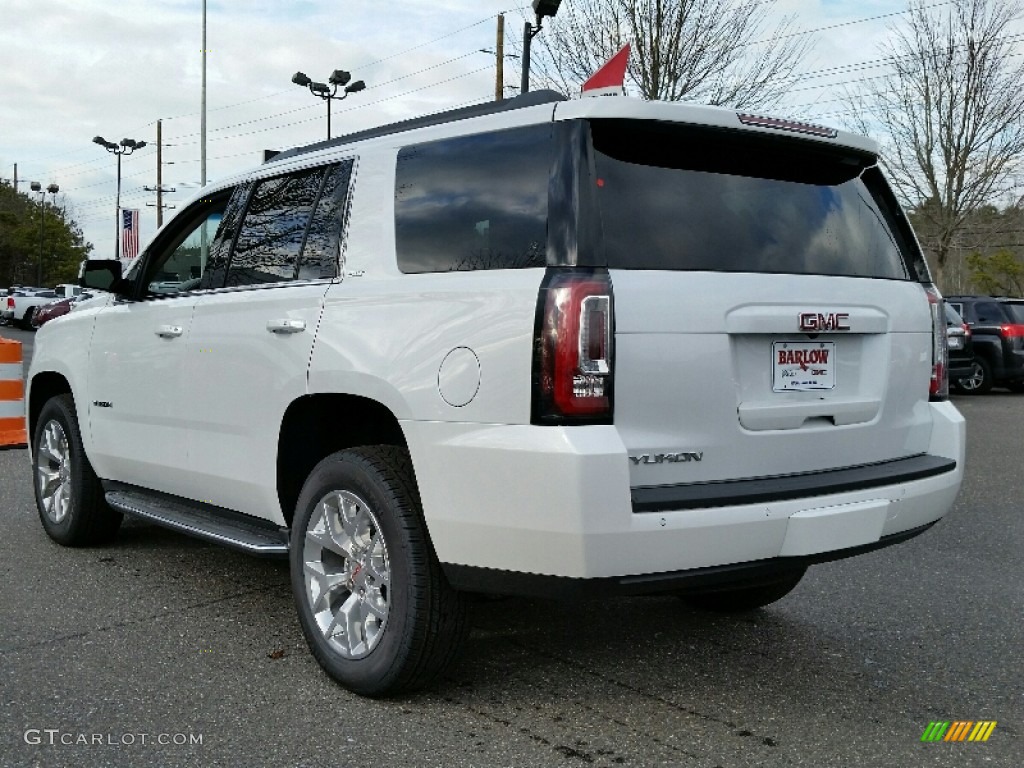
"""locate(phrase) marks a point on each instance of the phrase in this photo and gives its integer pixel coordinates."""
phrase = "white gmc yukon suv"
(540, 347)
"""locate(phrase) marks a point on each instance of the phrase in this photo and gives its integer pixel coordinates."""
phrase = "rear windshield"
(1016, 311)
(679, 198)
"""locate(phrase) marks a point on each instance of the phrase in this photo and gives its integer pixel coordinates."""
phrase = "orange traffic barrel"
(12, 396)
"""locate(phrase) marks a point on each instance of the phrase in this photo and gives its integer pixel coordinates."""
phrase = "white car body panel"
(140, 433)
(242, 378)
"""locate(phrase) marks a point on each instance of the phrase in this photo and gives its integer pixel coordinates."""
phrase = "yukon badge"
(667, 458)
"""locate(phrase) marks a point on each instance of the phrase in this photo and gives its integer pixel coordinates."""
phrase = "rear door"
(769, 318)
(252, 333)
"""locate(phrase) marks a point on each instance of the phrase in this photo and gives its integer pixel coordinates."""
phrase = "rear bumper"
(491, 581)
(556, 502)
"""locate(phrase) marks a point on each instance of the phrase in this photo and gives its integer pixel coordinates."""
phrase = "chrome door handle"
(169, 331)
(286, 326)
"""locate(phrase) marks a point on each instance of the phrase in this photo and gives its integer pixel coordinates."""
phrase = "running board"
(204, 521)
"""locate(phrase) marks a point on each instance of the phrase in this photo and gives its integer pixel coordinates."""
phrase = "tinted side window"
(268, 244)
(322, 251)
(217, 255)
(474, 202)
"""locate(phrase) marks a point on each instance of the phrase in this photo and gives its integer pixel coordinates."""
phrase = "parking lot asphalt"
(162, 637)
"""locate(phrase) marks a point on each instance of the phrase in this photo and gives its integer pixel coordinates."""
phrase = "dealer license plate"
(803, 365)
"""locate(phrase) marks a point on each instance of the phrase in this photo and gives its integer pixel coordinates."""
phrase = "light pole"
(339, 77)
(35, 186)
(126, 147)
(53, 189)
(542, 8)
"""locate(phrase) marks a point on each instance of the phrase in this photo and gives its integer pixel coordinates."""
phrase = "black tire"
(980, 380)
(77, 514)
(425, 623)
(26, 321)
(739, 599)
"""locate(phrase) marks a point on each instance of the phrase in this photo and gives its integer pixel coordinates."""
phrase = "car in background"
(22, 304)
(997, 333)
(960, 352)
(54, 309)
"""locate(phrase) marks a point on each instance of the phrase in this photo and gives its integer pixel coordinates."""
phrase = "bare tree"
(951, 115)
(713, 51)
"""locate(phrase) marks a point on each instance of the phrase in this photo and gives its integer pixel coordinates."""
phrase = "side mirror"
(102, 275)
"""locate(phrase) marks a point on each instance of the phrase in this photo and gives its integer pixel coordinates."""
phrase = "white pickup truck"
(21, 305)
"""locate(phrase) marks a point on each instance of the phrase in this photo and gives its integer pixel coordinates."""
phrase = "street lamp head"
(99, 140)
(36, 186)
(128, 143)
(546, 7)
(357, 86)
(140, 144)
(339, 77)
(53, 189)
(299, 78)
(319, 88)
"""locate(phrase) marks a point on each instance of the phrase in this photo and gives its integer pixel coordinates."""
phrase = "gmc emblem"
(813, 322)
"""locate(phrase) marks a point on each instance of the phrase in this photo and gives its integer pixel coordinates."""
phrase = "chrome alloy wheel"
(53, 469)
(346, 573)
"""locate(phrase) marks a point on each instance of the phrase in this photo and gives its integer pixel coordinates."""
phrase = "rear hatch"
(769, 313)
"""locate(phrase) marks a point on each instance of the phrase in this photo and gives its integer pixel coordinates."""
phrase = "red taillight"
(939, 386)
(10, 302)
(573, 371)
(967, 330)
(1012, 330)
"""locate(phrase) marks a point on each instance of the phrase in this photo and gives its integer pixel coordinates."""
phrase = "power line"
(844, 24)
(362, 105)
(312, 106)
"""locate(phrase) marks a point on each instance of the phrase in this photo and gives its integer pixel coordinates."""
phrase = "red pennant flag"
(610, 78)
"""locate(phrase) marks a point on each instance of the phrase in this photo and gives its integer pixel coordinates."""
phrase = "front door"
(139, 401)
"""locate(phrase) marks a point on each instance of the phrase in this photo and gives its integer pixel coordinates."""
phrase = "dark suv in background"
(997, 334)
(960, 350)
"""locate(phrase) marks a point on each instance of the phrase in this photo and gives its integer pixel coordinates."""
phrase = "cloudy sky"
(74, 69)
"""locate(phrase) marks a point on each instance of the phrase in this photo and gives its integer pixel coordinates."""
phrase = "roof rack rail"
(530, 99)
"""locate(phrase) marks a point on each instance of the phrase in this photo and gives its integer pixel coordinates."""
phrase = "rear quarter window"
(474, 202)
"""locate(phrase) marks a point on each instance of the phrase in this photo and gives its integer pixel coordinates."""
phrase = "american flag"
(129, 233)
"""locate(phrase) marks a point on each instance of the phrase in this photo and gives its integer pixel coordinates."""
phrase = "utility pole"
(15, 178)
(159, 173)
(159, 188)
(499, 82)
